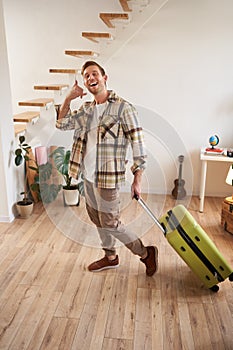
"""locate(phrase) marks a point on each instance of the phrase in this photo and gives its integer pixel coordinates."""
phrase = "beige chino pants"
(103, 207)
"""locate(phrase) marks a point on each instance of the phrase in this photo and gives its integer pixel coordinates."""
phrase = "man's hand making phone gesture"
(75, 92)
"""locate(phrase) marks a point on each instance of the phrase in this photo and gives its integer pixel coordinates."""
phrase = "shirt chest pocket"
(110, 128)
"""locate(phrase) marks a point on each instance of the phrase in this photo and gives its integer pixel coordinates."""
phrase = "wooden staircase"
(38, 123)
(37, 102)
(53, 87)
(21, 119)
(64, 70)
(26, 117)
(82, 53)
(70, 72)
(30, 117)
(125, 5)
(108, 18)
(97, 37)
(20, 128)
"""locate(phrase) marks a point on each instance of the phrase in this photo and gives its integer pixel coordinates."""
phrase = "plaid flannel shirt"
(118, 127)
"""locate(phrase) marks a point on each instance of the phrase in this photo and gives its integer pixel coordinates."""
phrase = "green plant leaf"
(49, 192)
(35, 187)
(18, 151)
(81, 188)
(36, 179)
(21, 139)
(61, 159)
(18, 160)
(45, 171)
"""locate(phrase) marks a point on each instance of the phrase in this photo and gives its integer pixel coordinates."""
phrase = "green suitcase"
(193, 245)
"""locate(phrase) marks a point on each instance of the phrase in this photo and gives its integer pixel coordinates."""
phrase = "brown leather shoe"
(151, 261)
(104, 264)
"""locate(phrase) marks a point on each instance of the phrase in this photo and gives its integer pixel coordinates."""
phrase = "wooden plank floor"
(49, 300)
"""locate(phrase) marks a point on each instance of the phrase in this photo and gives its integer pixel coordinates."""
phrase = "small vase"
(24, 209)
(71, 196)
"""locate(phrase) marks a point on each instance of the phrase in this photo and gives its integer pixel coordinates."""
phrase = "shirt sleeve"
(134, 133)
(68, 122)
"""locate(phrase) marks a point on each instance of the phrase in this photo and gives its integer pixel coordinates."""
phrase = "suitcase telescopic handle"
(149, 212)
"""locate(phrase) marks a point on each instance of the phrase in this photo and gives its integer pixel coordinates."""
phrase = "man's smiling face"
(94, 81)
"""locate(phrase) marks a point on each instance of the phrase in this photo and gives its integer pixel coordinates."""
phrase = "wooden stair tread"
(37, 102)
(97, 36)
(51, 87)
(108, 17)
(26, 117)
(19, 128)
(139, 3)
(81, 53)
(125, 5)
(64, 70)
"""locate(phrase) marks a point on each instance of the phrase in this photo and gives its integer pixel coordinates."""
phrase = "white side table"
(204, 159)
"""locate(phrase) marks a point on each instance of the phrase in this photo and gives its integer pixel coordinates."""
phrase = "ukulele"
(179, 191)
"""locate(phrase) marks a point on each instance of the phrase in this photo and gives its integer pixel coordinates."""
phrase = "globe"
(213, 140)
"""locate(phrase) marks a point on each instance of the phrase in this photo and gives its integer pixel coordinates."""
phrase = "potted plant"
(71, 192)
(24, 206)
(47, 191)
(41, 187)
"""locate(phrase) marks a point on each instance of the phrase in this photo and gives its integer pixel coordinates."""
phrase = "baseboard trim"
(6, 219)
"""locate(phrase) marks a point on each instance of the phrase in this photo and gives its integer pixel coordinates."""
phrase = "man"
(103, 129)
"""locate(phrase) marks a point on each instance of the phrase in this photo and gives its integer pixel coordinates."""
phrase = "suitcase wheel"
(231, 277)
(215, 288)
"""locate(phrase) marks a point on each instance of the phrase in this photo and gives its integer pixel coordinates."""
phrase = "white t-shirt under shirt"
(89, 161)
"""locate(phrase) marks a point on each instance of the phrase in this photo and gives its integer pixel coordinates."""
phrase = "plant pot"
(71, 195)
(24, 208)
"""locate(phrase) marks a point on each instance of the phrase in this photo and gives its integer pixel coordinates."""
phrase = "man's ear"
(105, 77)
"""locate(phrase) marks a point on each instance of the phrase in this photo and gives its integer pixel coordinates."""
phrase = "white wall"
(174, 62)
(7, 182)
(180, 65)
